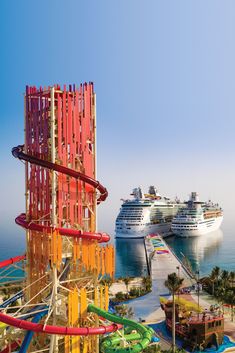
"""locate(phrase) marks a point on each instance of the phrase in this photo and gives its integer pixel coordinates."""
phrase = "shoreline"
(119, 286)
(161, 264)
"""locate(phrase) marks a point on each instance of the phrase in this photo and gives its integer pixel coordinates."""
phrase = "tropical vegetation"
(221, 284)
(124, 311)
(173, 283)
(126, 280)
(133, 292)
(108, 281)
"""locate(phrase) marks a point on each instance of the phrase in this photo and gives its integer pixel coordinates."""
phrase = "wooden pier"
(161, 261)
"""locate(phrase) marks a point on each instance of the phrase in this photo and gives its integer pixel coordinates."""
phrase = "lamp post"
(198, 292)
(178, 268)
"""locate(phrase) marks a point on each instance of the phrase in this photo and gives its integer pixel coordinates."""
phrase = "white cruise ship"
(144, 214)
(197, 218)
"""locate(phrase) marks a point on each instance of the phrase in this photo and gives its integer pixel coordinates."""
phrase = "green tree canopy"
(173, 282)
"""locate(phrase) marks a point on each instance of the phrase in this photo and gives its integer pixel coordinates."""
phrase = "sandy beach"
(120, 286)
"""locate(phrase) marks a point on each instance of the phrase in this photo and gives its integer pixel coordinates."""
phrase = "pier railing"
(190, 273)
(149, 257)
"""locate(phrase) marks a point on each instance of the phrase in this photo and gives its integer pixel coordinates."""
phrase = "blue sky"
(164, 74)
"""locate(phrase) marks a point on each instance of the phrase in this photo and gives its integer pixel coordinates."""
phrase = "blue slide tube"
(11, 300)
(29, 334)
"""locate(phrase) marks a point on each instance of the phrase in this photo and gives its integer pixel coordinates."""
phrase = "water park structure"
(63, 307)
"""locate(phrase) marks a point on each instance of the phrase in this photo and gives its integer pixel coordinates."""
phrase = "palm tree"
(230, 299)
(220, 295)
(232, 278)
(214, 277)
(147, 283)
(107, 281)
(173, 283)
(225, 278)
(124, 311)
(126, 280)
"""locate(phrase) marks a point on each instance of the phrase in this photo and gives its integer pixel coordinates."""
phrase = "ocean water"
(130, 258)
(12, 243)
(204, 252)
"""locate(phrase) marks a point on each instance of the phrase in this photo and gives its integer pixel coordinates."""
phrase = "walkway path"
(162, 262)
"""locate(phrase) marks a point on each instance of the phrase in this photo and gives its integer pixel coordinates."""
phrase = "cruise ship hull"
(164, 229)
(201, 229)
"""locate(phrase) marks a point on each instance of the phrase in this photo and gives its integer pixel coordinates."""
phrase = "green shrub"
(152, 349)
(135, 292)
(120, 296)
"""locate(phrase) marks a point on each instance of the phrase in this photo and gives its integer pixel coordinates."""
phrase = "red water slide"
(11, 261)
(31, 326)
(18, 153)
(101, 237)
(58, 330)
(21, 219)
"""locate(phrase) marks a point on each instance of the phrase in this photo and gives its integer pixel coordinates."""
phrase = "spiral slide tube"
(11, 261)
(11, 300)
(29, 334)
(36, 318)
(8, 302)
(5, 263)
(20, 294)
(144, 334)
(109, 345)
(8, 320)
(58, 330)
(101, 237)
(18, 153)
(25, 317)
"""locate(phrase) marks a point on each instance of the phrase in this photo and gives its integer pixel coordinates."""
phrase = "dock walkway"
(161, 262)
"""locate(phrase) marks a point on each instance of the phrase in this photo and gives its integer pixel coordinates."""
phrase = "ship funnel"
(137, 193)
(194, 197)
(152, 190)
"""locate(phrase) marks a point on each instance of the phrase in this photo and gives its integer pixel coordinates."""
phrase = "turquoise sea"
(205, 252)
